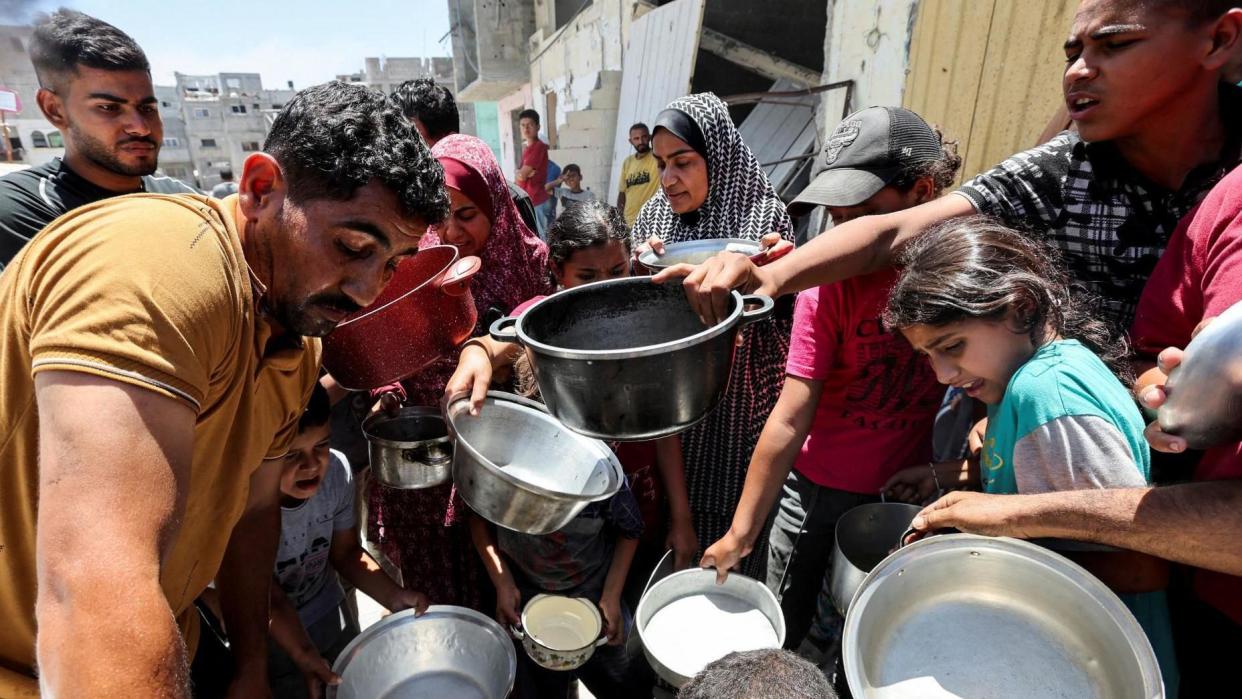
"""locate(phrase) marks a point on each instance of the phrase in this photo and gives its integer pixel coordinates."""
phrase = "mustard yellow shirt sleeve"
(139, 289)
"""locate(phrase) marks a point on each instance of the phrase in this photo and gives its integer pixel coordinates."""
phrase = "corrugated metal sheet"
(988, 72)
(781, 129)
(659, 63)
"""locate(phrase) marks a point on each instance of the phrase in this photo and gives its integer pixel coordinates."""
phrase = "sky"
(306, 41)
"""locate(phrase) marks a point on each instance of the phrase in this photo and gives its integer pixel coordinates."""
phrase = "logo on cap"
(845, 134)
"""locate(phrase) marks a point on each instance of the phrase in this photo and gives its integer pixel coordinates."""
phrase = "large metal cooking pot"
(629, 359)
(1205, 404)
(686, 620)
(864, 536)
(519, 468)
(960, 615)
(410, 449)
(424, 313)
(448, 652)
(560, 633)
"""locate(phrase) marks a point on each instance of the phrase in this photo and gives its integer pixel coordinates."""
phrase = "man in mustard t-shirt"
(640, 176)
(155, 350)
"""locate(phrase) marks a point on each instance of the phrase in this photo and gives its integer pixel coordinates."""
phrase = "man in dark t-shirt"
(95, 86)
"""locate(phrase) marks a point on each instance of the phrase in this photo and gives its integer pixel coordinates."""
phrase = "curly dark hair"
(942, 171)
(432, 104)
(772, 673)
(333, 138)
(66, 39)
(974, 267)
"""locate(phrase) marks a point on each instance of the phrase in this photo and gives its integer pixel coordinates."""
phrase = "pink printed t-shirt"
(536, 156)
(880, 397)
(1199, 276)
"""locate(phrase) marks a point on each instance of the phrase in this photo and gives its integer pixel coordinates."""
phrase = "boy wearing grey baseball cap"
(879, 160)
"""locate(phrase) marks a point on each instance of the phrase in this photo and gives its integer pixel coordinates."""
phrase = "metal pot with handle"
(629, 359)
(424, 313)
(410, 449)
(865, 535)
(560, 633)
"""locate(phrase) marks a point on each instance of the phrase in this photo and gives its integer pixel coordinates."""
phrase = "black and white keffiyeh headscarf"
(741, 202)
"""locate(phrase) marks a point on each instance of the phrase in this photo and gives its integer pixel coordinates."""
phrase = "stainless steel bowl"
(694, 252)
(448, 652)
(960, 615)
(715, 625)
(520, 468)
(629, 359)
(410, 449)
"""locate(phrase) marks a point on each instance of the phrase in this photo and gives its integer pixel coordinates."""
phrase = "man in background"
(640, 177)
(532, 174)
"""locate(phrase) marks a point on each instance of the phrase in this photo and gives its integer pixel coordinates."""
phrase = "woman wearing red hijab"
(425, 532)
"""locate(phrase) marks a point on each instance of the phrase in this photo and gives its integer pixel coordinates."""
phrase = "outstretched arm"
(114, 461)
(1193, 523)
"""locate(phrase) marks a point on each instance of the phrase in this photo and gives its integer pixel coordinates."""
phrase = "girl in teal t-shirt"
(993, 312)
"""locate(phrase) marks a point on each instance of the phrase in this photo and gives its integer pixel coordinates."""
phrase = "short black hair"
(572, 167)
(770, 673)
(334, 138)
(639, 125)
(226, 173)
(318, 409)
(432, 104)
(529, 114)
(66, 39)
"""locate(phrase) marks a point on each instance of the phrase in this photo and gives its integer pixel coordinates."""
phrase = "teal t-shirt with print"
(1061, 379)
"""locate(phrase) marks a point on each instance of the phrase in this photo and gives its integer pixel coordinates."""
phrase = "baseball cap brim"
(841, 187)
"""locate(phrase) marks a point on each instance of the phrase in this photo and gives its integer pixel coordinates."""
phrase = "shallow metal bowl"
(968, 616)
(520, 468)
(448, 652)
(694, 252)
(738, 595)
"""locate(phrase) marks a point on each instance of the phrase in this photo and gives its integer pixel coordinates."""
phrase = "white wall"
(867, 41)
(568, 61)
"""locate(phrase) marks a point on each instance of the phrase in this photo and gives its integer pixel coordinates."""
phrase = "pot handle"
(456, 281)
(504, 330)
(766, 304)
(516, 632)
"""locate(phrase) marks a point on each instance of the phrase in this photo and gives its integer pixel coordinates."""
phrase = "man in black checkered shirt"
(1157, 129)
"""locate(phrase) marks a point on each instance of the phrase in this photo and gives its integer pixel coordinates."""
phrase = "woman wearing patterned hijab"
(711, 186)
(424, 532)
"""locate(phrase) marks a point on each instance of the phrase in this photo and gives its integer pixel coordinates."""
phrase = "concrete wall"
(490, 46)
(867, 41)
(507, 109)
(569, 61)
